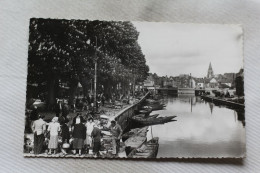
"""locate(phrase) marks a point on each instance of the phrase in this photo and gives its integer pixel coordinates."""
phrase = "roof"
(207, 80)
(213, 80)
(199, 80)
(229, 75)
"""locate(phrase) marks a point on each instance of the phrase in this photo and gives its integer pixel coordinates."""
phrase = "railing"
(123, 116)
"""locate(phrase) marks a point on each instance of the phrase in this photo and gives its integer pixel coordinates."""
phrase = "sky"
(174, 48)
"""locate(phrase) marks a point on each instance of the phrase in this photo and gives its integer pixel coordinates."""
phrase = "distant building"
(192, 83)
(219, 76)
(213, 83)
(149, 83)
(218, 80)
(200, 83)
(169, 82)
(210, 71)
(185, 81)
(230, 76)
(184, 75)
(227, 82)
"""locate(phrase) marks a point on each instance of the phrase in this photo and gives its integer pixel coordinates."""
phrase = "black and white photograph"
(134, 90)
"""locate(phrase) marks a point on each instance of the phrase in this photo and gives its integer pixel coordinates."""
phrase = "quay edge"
(124, 115)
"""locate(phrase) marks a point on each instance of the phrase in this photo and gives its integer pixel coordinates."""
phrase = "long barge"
(223, 102)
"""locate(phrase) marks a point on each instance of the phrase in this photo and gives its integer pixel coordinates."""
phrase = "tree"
(239, 83)
(65, 50)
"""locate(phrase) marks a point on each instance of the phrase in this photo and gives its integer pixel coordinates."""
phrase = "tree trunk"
(51, 93)
(84, 83)
(106, 90)
(72, 92)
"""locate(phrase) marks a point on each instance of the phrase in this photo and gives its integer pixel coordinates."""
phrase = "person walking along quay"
(39, 127)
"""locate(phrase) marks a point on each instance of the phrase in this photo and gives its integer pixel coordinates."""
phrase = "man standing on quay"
(116, 132)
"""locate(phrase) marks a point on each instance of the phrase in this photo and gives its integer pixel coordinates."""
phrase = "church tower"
(210, 71)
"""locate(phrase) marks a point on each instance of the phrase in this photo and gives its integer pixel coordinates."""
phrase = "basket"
(65, 145)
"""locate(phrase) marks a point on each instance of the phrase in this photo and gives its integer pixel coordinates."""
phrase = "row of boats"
(143, 118)
(136, 144)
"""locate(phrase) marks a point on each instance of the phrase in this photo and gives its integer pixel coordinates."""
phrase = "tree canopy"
(239, 83)
(66, 50)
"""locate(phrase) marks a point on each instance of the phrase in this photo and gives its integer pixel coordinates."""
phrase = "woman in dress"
(89, 126)
(78, 134)
(54, 128)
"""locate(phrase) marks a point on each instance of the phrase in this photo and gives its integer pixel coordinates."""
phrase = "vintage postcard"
(122, 89)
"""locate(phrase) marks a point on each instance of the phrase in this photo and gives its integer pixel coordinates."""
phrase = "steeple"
(210, 71)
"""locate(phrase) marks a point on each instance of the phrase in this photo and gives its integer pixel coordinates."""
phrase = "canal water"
(202, 129)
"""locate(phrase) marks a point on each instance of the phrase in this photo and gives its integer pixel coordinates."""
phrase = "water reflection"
(202, 129)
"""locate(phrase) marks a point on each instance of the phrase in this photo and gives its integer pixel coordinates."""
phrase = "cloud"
(173, 48)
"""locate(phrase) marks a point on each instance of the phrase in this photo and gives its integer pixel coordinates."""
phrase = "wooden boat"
(132, 132)
(143, 116)
(129, 134)
(152, 120)
(144, 111)
(148, 150)
(149, 101)
(137, 139)
(155, 107)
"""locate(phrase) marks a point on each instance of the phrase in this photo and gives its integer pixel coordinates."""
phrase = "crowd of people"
(75, 137)
(81, 104)
(79, 135)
